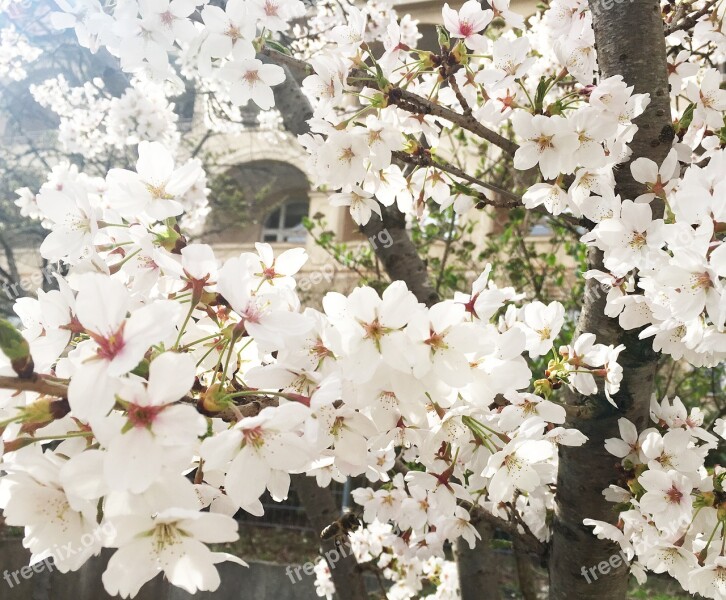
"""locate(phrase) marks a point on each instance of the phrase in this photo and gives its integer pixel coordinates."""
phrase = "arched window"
(285, 223)
(262, 200)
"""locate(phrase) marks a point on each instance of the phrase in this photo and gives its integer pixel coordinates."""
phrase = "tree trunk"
(525, 571)
(400, 258)
(322, 510)
(478, 568)
(630, 42)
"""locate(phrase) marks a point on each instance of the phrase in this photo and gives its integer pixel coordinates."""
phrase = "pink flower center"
(167, 18)
(254, 437)
(142, 416)
(674, 495)
(233, 32)
(271, 9)
(436, 341)
(251, 77)
(109, 347)
(466, 28)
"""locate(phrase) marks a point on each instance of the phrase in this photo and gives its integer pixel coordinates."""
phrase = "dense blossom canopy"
(159, 391)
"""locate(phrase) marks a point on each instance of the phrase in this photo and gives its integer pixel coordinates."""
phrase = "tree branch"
(423, 160)
(37, 383)
(405, 100)
(419, 105)
(690, 20)
(527, 540)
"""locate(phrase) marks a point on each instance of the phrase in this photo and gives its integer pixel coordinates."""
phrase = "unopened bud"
(459, 53)
(37, 412)
(443, 37)
(543, 387)
(427, 59)
(171, 239)
(17, 349)
(704, 499)
(212, 401)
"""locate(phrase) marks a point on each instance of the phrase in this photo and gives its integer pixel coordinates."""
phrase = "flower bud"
(212, 401)
(704, 499)
(543, 387)
(17, 349)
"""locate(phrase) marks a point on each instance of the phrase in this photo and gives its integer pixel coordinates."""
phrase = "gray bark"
(525, 571)
(630, 43)
(401, 260)
(292, 103)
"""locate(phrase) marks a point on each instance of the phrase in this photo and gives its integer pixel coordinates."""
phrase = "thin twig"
(404, 99)
(423, 160)
(689, 21)
(37, 383)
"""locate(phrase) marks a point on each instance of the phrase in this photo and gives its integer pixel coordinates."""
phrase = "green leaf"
(685, 121)
(277, 46)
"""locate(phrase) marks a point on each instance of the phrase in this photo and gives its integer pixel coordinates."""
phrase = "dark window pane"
(294, 213)
(273, 221)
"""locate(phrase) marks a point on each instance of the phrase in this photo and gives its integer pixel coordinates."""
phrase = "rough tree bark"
(525, 571)
(630, 42)
(400, 259)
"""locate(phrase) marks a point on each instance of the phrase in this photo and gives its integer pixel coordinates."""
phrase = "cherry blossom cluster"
(15, 53)
(434, 578)
(575, 133)
(93, 123)
(218, 40)
(156, 383)
(672, 508)
(311, 35)
(564, 128)
(680, 259)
